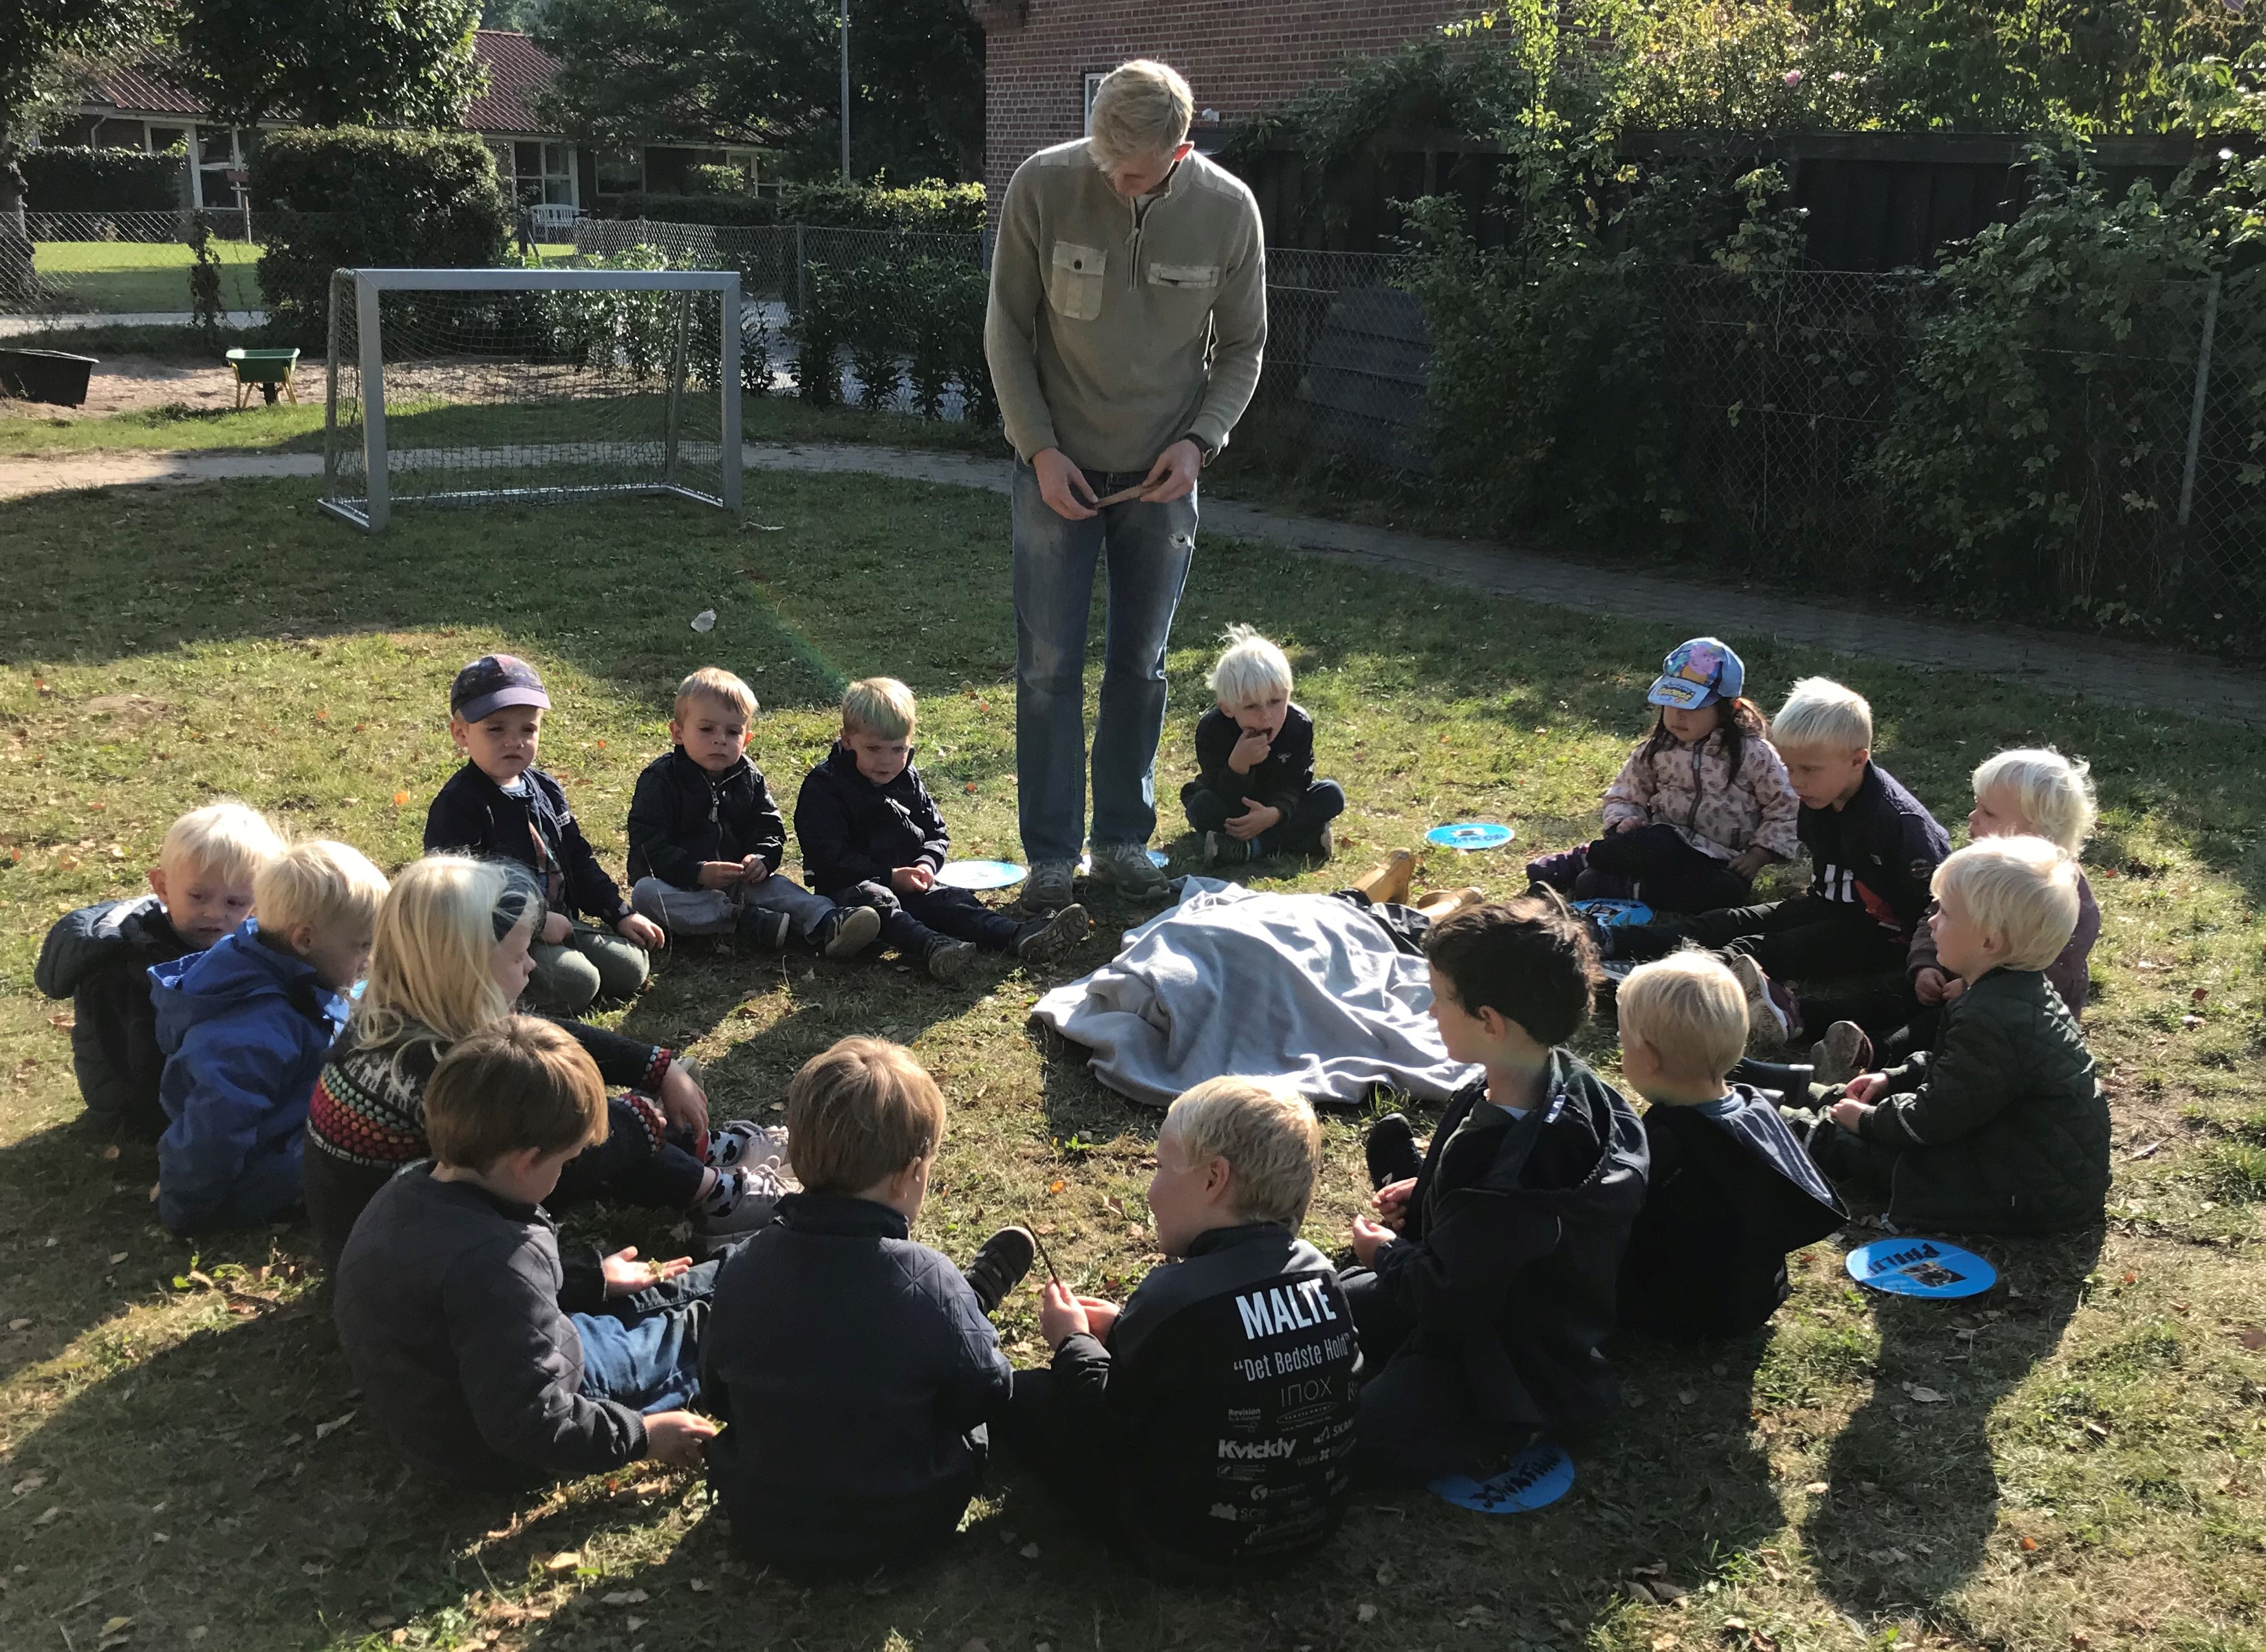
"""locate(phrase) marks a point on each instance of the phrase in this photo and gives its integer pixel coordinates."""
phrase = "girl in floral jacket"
(1699, 809)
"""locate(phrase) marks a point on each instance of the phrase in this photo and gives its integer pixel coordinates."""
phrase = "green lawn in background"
(2071, 1461)
(132, 277)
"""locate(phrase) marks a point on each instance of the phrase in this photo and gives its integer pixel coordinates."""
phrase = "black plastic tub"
(49, 375)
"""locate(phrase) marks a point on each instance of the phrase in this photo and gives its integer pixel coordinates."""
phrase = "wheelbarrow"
(267, 370)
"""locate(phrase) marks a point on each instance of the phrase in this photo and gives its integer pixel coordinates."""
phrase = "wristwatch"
(1208, 449)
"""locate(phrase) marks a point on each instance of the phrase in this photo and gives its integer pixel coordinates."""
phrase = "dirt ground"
(129, 384)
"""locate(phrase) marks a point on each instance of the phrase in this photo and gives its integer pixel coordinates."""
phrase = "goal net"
(489, 386)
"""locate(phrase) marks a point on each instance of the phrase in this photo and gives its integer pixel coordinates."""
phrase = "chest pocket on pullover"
(1074, 281)
(1185, 277)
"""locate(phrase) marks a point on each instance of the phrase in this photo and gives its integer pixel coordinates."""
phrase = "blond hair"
(2021, 891)
(1267, 1133)
(523, 1083)
(713, 683)
(1690, 1010)
(320, 883)
(879, 706)
(1141, 111)
(2050, 792)
(1821, 715)
(1250, 667)
(430, 978)
(858, 1113)
(229, 839)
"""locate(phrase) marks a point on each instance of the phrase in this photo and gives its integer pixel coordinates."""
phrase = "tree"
(45, 47)
(763, 72)
(333, 62)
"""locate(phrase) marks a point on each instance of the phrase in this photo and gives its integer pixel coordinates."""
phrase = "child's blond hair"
(320, 883)
(1268, 1135)
(2052, 792)
(430, 980)
(1690, 1010)
(1250, 668)
(713, 683)
(858, 1113)
(1821, 715)
(229, 839)
(2020, 890)
(879, 706)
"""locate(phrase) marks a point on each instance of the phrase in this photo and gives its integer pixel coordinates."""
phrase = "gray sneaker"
(1047, 888)
(1127, 866)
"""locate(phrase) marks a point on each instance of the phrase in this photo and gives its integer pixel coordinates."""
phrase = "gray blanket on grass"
(1302, 987)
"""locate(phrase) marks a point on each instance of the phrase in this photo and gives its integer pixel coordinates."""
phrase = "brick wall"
(1241, 56)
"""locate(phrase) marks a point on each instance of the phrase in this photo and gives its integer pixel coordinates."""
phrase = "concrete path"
(2121, 673)
(16, 326)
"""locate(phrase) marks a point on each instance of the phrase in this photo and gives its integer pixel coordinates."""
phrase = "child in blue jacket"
(245, 1027)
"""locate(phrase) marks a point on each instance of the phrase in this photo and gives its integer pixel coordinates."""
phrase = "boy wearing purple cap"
(501, 805)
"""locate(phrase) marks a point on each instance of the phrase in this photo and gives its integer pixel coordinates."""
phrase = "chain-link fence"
(72, 266)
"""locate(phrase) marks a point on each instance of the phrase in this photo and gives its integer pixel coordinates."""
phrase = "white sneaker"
(744, 1200)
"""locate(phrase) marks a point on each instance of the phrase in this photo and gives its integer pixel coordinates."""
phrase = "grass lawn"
(2072, 1461)
(133, 277)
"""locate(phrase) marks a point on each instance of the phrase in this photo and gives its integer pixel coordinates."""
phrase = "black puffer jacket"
(471, 814)
(99, 957)
(681, 815)
(1279, 779)
(2002, 1127)
(853, 831)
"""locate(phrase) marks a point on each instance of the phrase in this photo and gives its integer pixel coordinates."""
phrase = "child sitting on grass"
(501, 805)
(872, 836)
(1169, 1421)
(99, 957)
(1873, 845)
(1255, 795)
(483, 1356)
(1487, 1277)
(855, 1369)
(244, 1025)
(2020, 794)
(450, 959)
(705, 838)
(1730, 1190)
(2002, 1127)
(1699, 809)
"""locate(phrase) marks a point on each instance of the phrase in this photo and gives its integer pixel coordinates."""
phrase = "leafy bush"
(738, 212)
(102, 180)
(930, 206)
(727, 181)
(919, 318)
(354, 197)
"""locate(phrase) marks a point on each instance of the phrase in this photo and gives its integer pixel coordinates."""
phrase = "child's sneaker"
(1390, 1151)
(1048, 888)
(949, 960)
(1842, 1054)
(1000, 1263)
(846, 930)
(1770, 1025)
(738, 1140)
(1044, 939)
(1127, 866)
(741, 1202)
(1221, 848)
(769, 930)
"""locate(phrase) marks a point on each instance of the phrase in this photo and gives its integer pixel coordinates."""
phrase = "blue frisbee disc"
(1912, 1266)
(981, 875)
(1539, 1476)
(1615, 914)
(1470, 834)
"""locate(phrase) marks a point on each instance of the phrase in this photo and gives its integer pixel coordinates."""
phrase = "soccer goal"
(492, 386)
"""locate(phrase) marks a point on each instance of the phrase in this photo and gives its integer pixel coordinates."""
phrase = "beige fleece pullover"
(1116, 328)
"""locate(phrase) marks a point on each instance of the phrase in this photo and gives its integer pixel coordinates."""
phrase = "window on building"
(218, 156)
(537, 173)
(621, 172)
(1094, 79)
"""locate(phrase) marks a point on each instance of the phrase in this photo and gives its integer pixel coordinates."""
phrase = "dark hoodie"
(245, 1027)
(99, 957)
(853, 831)
(1509, 1258)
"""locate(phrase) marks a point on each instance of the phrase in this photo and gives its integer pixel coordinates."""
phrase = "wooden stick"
(1043, 1257)
(1122, 495)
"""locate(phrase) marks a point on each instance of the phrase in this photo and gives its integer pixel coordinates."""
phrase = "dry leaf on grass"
(564, 1560)
(323, 1430)
(624, 1597)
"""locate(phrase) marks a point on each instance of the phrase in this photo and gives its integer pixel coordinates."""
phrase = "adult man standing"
(1128, 312)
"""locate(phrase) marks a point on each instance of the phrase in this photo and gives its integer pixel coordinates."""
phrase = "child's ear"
(157, 883)
(300, 938)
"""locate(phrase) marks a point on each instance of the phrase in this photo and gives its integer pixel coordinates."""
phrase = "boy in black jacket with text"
(872, 836)
(1255, 793)
(1210, 1421)
(1487, 1280)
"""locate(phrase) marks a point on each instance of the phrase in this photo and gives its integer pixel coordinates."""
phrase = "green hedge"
(352, 197)
(102, 180)
(917, 319)
(929, 208)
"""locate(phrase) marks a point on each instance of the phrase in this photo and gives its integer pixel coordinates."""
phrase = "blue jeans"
(1150, 547)
(644, 1352)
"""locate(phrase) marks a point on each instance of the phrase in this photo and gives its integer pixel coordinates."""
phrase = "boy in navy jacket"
(855, 1369)
(99, 957)
(245, 1026)
(1487, 1278)
(1210, 1421)
(1731, 1190)
(501, 805)
(1254, 794)
(872, 836)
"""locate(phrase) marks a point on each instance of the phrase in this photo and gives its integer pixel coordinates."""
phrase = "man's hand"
(1391, 1203)
(1850, 1115)
(683, 1102)
(1256, 818)
(1062, 1316)
(1173, 475)
(634, 926)
(722, 874)
(1369, 1238)
(625, 1276)
(1750, 864)
(1928, 985)
(1864, 1088)
(1251, 749)
(912, 879)
(556, 928)
(675, 1438)
(1062, 485)
(753, 870)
